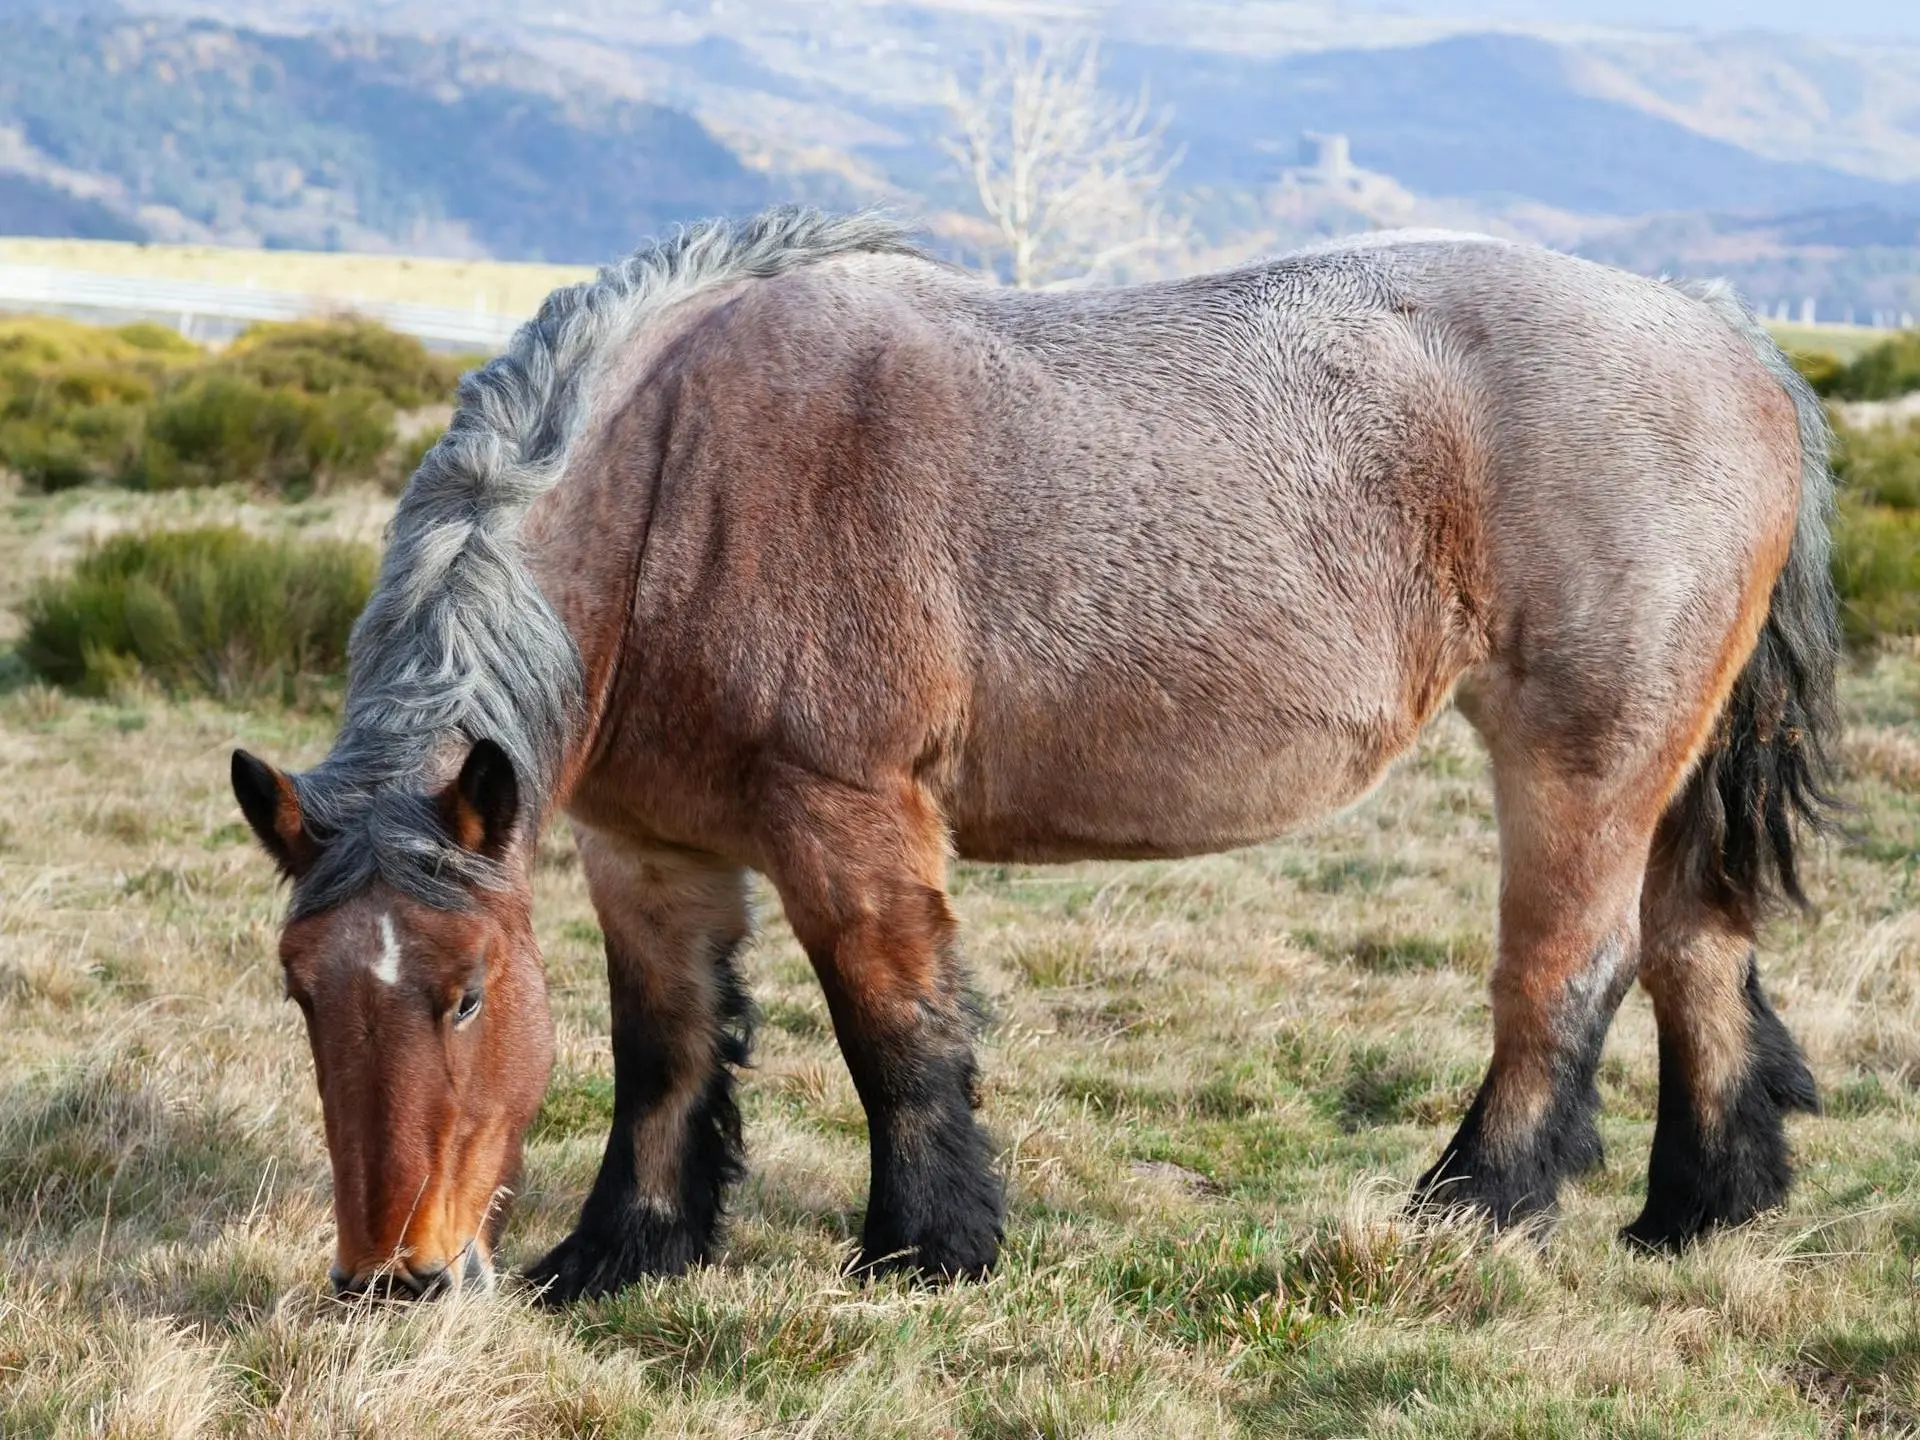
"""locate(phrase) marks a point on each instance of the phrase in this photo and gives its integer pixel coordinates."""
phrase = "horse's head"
(429, 1030)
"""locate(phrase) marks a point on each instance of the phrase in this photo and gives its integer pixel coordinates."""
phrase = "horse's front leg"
(861, 874)
(672, 922)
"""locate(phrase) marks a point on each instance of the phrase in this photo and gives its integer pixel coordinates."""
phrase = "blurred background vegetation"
(292, 411)
(211, 610)
(1877, 536)
(289, 408)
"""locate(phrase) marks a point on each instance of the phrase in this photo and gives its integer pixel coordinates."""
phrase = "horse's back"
(1139, 572)
(1084, 573)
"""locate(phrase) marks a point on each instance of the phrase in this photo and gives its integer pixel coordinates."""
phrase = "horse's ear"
(272, 807)
(480, 808)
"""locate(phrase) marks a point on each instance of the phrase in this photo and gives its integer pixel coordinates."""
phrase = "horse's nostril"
(428, 1281)
(400, 1282)
(476, 1273)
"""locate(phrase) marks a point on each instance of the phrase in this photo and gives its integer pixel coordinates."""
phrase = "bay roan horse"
(783, 548)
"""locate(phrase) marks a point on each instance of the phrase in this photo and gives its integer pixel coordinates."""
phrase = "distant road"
(450, 303)
(205, 311)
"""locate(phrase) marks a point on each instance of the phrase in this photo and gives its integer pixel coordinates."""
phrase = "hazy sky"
(1849, 19)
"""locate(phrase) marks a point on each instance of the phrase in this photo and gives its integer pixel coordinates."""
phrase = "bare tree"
(1066, 174)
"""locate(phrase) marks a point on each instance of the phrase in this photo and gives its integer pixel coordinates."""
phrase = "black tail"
(1767, 774)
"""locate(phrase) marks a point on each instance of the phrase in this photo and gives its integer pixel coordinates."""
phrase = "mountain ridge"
(394, 124)
(199, 131)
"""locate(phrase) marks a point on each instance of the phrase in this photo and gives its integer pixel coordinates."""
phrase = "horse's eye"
(468, 1007)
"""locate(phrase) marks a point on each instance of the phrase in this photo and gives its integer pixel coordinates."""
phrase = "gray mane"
(457, 643)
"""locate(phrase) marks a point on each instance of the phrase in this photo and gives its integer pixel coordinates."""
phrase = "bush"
(220, 428)
(49, 340)
(73, 397)
(326, 357)
(1876, 535)
(1881, 464)
(1890, 368)
(286, 407)
(1876, 567)
(1820, 370)
(292, 406)
(212, 611)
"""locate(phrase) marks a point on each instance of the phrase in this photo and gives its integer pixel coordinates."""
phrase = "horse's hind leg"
(1729, 1071)
(672, 921)
(861, 875)
(1573, 846)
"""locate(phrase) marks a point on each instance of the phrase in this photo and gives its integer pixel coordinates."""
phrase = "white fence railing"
(189, 304)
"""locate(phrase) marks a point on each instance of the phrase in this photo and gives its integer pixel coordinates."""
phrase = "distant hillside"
(566, 132)
(1834, 105)
(1851, 107)
(33, 207)
(192, 130)
(1492, 118)
(1858, 264)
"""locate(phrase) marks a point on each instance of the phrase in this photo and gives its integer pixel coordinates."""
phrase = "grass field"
(1208, 1079)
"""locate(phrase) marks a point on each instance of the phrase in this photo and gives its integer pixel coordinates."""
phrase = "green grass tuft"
(576, 1104)
(1397, 954)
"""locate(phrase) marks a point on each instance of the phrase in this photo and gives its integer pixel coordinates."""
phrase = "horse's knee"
(884, 942)
(680, 1027)
(906, 1028)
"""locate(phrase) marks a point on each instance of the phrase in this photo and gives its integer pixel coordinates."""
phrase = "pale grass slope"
(495, 287)
(1208, 1079)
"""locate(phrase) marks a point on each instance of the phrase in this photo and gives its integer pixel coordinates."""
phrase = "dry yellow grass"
(1208, 1079)
(499, 287)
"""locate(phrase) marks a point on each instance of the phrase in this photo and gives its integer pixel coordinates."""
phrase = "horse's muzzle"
(401, 1281)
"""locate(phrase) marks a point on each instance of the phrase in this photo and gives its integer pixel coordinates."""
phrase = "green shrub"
(158, 339)
(49, 340)
(1876, 566)
(325, 357)
(1890, 368)
(1821, 370)
(73, 397)
(1876, 535)
(212, 611)
(1881, 464)
(286, 407)
(218, 428)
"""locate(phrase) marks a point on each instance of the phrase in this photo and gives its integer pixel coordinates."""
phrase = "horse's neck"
(582, 541)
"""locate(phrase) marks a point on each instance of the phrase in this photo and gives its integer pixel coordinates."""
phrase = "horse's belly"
(1072, 798)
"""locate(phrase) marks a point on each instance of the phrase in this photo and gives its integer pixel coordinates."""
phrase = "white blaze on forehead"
(386, 968)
